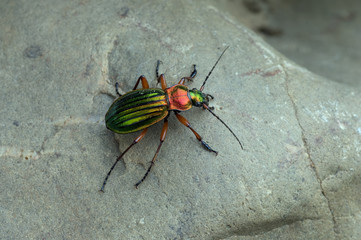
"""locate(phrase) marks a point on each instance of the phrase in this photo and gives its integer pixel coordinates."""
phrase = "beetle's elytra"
(141, 108)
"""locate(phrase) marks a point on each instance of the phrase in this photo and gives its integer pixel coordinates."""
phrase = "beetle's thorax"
(178, 98)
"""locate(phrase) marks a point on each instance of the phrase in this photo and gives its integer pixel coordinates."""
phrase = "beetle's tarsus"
(145, 176)
(207, 147)
(194, 73)
(117, 89)
(157, 69)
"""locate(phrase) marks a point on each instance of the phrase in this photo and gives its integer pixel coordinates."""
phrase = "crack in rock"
(307, 147)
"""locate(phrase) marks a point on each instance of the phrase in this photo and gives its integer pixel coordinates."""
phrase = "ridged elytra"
(141, 108)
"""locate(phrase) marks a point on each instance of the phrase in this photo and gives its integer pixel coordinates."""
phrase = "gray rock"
(297, 178)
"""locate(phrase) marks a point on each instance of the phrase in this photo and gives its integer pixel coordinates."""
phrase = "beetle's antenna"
(201, 89)
(206, 107)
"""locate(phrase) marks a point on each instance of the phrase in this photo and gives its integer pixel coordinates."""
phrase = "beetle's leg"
(209, 96)
(144, 82)
(185, 122)
(194, 73)
(142, 134)
(190, 78)
(161, 78)
(157, 69)
(141, 78)
(162, 81)
(117, 89)
(162, 137)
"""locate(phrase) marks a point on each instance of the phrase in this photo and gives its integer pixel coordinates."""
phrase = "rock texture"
(297, 178)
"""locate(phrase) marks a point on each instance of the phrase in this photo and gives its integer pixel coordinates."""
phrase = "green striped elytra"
(141, 108)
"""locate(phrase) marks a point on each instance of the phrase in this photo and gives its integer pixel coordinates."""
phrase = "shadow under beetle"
(139, 109)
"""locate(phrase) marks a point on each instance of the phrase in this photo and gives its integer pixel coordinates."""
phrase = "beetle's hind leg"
(162, 137)
(185, 122)
(142, 134)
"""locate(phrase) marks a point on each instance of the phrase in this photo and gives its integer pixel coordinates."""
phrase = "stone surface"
(298, 177)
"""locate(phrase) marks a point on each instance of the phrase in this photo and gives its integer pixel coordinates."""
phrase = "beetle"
(141, 108)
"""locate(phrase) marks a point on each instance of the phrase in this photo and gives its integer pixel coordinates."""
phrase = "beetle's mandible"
(141, 108)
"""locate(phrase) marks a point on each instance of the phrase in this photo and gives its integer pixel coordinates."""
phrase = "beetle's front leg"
(190, 78)
(185, 122)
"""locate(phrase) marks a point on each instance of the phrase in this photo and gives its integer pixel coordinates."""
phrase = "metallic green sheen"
(136, 110)
(197, 97)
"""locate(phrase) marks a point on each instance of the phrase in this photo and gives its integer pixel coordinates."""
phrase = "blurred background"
(323, 36)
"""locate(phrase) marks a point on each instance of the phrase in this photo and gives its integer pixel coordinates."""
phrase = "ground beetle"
(139, 109)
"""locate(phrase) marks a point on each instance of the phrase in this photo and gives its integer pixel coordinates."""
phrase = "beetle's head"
(199, 98)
